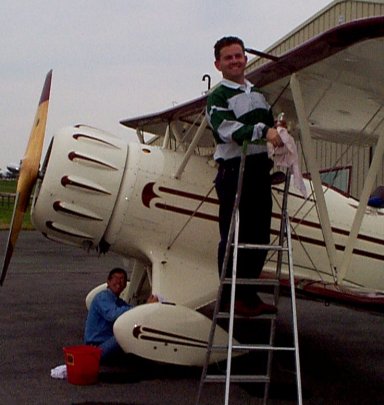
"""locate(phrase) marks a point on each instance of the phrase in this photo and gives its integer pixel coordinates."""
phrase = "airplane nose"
(75, 199)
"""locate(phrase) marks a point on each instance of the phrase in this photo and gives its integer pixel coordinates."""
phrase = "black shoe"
(278, 178)
(261, 308)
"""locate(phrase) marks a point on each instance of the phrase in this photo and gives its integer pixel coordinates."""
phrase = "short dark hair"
(119, 271)
(226, 41)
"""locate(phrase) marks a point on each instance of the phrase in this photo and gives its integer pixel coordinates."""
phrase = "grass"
(6, 206)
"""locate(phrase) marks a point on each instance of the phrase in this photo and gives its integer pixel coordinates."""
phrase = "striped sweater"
(237, 113)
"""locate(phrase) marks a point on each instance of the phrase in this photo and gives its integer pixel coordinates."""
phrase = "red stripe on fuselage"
(148, 194)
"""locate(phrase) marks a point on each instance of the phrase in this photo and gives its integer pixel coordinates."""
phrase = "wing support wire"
(313, 167)
(190, 217)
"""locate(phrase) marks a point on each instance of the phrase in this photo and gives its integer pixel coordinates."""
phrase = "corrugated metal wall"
(331, 154)
(337, 12)
(335, 155)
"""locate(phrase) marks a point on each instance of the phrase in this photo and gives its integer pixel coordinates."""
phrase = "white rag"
(59, 372)
(286, 156)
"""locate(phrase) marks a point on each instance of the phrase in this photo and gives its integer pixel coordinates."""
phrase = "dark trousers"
(255, 218)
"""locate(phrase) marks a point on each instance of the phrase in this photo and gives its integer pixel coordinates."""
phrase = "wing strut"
(166, 141)
(314, 171)
(367, 189)
(177, 135)
(191, 148)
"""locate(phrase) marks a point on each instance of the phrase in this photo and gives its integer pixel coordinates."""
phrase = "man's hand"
(273, 138)
(152, 298)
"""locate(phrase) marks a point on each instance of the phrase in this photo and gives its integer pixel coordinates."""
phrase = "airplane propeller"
(29, 171)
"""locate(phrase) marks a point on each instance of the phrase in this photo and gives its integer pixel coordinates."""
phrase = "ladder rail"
(294, 315)
(282, 235)
(232, 310)
(223, 271)
(235, 243)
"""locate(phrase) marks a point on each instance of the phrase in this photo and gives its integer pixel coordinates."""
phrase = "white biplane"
(157, 204)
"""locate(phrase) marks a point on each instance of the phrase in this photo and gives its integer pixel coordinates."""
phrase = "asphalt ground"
(42, 310)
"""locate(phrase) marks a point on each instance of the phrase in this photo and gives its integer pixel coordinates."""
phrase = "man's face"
(117, 283)
(232, 63)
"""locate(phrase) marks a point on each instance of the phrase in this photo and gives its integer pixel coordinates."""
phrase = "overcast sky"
(117, 59)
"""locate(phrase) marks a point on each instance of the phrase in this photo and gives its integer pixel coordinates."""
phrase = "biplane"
(154, 200)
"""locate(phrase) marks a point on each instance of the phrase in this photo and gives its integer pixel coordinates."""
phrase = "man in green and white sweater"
(238, 112)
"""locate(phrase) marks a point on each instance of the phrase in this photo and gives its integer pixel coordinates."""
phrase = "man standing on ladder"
(238, 112)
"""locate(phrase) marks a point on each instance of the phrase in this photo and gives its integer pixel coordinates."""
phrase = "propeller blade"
(29, 171)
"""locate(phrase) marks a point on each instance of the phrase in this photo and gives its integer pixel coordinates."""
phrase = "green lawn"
(6, 206)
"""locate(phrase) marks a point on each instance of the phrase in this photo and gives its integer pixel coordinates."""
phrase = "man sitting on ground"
(105, 308)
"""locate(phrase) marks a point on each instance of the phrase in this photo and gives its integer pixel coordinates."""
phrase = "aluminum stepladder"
(284, 246)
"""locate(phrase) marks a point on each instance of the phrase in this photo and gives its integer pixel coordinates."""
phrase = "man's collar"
(234, 85)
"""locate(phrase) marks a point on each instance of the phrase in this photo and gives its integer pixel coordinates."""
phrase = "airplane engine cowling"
(81, 179)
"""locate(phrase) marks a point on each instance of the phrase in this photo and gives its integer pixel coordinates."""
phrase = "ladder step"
(238, 378)
(261, 247)
(249, 347)
(226, 315)
(253, 281)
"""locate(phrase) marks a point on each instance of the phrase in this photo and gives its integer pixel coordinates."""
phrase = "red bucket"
(83, 363)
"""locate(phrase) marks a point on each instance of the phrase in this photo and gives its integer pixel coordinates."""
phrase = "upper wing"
(331, 87)
(341, 78)
(342, 81)
(185, 119)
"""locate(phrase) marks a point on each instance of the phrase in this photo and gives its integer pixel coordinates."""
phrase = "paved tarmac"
(42, 310)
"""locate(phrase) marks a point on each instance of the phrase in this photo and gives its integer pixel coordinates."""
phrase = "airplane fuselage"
(98, 192)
